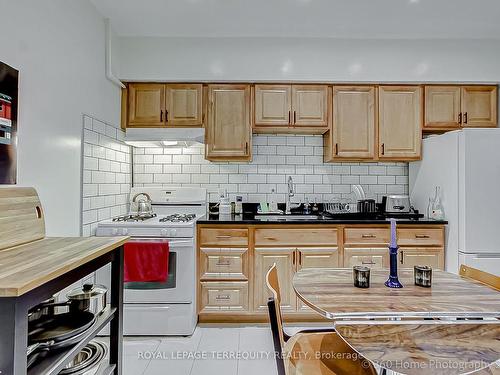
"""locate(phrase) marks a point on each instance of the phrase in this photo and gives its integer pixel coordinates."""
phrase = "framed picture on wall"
(8, 124)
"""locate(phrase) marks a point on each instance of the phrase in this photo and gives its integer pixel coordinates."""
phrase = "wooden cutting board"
(21, 217)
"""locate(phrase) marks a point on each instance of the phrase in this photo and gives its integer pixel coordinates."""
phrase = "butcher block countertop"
(25, 267)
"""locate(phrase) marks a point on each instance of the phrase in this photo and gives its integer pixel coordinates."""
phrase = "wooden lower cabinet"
(433, 257)
(223, 263)
(224, 296)
(233, 261)
(377, 258)
(284, 258)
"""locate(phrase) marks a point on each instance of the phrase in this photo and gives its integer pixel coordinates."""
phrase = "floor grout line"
(196, 350)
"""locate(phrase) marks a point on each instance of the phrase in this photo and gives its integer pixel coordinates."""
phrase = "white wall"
(58, 47)
(276, 59)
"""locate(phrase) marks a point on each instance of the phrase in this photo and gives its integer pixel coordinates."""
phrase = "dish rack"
(340, 208)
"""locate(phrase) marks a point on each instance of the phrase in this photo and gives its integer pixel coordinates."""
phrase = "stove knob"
(164, 233)
(173, 232)
(124, 231)
(115, 231)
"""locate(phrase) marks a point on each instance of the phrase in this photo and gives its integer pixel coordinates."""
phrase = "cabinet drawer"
(363, 236)
(220, 296)
(420, 237)
(223, 263)
(296, 237)
(372, 258)
(223, 237)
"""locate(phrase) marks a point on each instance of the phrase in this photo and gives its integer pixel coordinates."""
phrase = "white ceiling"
(305, 18)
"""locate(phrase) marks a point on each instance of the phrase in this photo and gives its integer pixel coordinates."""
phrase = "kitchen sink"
(286, 217)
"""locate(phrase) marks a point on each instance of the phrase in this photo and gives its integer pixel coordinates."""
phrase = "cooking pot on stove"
(144, 204)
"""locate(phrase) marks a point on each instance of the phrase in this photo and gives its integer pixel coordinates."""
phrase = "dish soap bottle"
(273, 206)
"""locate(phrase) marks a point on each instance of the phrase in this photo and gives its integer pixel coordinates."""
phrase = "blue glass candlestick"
(393, 281)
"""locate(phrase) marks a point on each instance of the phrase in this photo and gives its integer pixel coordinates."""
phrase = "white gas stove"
(162, 308)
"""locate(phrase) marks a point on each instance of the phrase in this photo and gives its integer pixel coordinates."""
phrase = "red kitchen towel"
(146, 261)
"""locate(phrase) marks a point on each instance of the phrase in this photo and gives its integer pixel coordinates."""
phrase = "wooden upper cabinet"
(400, 122)
(229, 130)
(146, 104)
(353, 124)
(479, 106)
(310, 105)
(442, 107)
(273, 105)
(184, 105)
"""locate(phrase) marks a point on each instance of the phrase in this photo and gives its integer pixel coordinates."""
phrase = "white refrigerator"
(466, 164)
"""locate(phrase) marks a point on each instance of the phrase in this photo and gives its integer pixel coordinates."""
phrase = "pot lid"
(87, 291)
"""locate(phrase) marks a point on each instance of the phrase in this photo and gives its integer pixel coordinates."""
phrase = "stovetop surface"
(164, 221)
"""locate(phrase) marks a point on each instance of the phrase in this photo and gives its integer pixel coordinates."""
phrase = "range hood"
(164, 137)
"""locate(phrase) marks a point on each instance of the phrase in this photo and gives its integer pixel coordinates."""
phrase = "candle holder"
(393, 281)
(423, 276)
(361, 276)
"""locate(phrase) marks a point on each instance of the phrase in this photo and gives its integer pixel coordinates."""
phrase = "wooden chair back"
(21, 217)
(275, 317)
(481, 276)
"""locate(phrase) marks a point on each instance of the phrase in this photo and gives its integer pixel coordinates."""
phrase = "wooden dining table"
(451, 328)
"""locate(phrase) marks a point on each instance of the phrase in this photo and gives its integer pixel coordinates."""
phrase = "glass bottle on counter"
(437, 206)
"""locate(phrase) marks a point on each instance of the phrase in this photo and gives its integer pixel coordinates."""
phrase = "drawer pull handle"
(222, 237)
(422, 236)
(368, 236)
(362, 262)
(223, 263)
(223, 297)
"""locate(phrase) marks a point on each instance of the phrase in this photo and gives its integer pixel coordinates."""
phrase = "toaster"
(397, 204)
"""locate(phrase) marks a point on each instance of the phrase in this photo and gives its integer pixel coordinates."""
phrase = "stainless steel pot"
(144, 204)
(90, 297)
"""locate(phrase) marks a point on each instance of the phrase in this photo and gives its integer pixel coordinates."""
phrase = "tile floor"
(211, 350)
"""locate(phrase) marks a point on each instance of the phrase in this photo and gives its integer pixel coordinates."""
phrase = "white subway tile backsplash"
(275, 158)
(106, 174)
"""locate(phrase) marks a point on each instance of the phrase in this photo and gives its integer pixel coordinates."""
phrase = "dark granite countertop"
(250, 219)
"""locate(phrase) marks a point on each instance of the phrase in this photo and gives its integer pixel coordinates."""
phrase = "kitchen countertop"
(25, 267)
(250, 219)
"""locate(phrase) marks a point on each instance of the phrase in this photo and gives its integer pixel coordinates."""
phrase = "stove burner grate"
(177, 218)
(134, 217)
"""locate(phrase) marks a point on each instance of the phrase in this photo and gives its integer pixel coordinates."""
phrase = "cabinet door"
(318, 257)
(146, 104)
(310, 105)
(184, 105)
(373, 258)
(273, 105)
(422, 257)
(400, 121)
(228, 128)
(442, 107)
(315, 258)
(353, 124)
(479, 106)
(285, 263)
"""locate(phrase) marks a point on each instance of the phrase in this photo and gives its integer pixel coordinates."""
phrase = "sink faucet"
(290, 193)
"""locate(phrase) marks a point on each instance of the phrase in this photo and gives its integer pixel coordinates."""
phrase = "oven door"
(180, 284)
